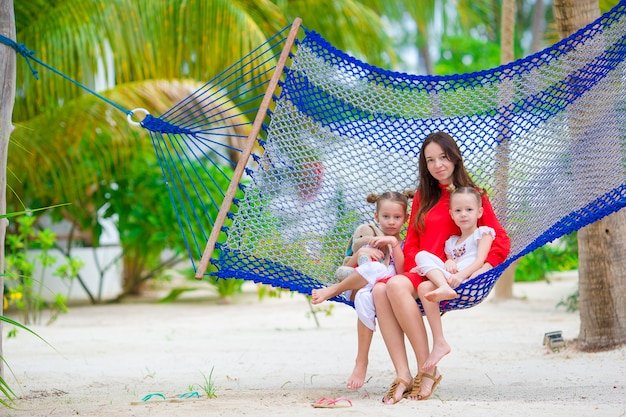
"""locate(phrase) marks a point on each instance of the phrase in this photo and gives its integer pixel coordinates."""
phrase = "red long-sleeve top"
(439, 226)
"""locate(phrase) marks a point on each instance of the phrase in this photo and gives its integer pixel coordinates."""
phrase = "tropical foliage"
(26, 290)
(7, 395)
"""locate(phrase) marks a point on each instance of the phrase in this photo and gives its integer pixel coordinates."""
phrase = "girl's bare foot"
(440, 349)
(357, 379)
(440, 294)
(322, 294)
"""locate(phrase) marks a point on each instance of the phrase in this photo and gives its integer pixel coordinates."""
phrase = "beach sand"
(268, 358)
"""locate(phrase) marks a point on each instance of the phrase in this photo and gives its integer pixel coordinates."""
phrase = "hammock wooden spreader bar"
(245, 155)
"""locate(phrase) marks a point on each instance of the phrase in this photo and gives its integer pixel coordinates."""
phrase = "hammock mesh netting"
(544, 135)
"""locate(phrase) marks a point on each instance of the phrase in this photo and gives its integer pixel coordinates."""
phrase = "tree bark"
(538, 26)
(602, 283)
(7, 99)
(504, 287)
(601, 245)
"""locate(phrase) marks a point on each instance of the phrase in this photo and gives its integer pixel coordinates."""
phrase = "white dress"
(463, 253)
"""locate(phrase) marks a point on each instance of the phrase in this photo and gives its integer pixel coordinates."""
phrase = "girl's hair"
(394, 196)
(468, 190)
(428, 185)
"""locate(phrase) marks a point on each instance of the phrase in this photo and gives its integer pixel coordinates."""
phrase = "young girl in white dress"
(391, 215)
(465, 253)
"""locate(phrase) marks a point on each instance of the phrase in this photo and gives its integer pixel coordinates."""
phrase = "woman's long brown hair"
(428, 186)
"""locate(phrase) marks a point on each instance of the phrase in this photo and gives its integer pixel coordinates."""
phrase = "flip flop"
(160, 397)
(326, 402)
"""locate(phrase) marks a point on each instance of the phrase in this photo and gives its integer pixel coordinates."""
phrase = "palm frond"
(353, 26)
(125, 41)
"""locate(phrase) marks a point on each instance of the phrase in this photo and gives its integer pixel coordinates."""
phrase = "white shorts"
(426, 262)
(372, 271)
(364, 306)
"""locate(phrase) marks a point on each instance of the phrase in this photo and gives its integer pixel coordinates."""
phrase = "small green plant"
(208, 386)
(327, 310)
(570, 302)
(67, 272)
(226, 287)
(268, 291)
(25, 291)
(7, 396)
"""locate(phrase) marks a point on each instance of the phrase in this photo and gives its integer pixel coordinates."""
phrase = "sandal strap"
(429, 376)
(436, 381)
(391, 392)
(416, 387)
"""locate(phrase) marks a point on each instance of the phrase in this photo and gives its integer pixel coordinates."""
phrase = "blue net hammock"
(544, 135)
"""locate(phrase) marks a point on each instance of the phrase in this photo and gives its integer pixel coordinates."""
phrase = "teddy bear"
(361, 237)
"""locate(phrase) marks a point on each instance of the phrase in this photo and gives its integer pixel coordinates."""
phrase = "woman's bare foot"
(440, 294)
(440, 349)
(322, 294)
(357, 379)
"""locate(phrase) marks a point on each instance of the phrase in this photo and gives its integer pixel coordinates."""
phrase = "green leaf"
(175, 293)
(21, 326)
(18, 213)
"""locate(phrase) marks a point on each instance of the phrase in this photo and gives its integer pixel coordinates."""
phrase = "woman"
(440, 169)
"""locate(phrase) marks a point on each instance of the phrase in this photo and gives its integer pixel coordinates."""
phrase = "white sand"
(269, 359)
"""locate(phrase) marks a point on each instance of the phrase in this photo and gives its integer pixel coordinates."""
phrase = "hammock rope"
(545, 136)
(315, 130)
(30, 57)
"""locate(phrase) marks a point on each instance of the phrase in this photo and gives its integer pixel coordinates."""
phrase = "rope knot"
(156, 124)
(21, 49)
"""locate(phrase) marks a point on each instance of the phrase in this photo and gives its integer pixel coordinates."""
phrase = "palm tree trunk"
(7, 98)
(601, 245)
(602, 283)
(538, 25)
(504, 287)
(422, 46)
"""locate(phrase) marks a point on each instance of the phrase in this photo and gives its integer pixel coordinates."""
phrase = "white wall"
(111, 283)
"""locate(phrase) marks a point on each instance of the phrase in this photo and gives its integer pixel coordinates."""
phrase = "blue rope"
(22, 50)
(159, 125)
(191, 116)
(30, 56)
(173, 190)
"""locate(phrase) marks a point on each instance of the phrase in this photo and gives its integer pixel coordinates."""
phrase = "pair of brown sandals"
(412, 389)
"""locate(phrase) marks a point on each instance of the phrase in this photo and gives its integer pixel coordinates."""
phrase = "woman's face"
(438, 164)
